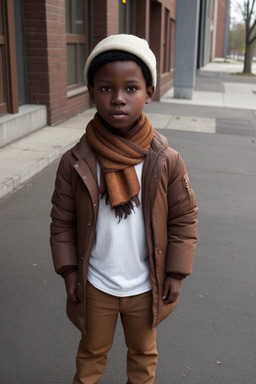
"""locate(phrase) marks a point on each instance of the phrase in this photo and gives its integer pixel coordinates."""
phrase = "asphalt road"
(209, 339)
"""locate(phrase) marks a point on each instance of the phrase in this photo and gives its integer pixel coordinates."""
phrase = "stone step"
(29, 119)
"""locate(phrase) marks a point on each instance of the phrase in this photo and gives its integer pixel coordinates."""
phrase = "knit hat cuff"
(128, 43)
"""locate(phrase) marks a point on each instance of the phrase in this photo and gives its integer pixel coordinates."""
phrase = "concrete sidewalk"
(233, 91)
(26, 157)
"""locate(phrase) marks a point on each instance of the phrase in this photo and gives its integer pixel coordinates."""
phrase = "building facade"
(44, 45)
(219, 28)
(222, 28)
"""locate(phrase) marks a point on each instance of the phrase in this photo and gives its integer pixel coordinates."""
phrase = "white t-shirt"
(119, 259)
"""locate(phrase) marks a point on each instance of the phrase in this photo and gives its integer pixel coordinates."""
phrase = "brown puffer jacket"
(169, 208)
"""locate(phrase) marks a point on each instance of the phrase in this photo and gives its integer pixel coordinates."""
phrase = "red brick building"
(44, 45)
(221, 28)
(220, 18)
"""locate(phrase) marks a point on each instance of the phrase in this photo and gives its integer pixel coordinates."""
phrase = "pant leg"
(142, 356)
(101, 318)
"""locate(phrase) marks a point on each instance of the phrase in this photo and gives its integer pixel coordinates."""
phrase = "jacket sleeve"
(182, 220)
(63, 215)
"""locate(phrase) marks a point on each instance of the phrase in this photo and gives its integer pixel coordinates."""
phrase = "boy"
(124, 228)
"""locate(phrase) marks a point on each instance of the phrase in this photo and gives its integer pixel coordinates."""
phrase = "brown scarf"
(117, 156)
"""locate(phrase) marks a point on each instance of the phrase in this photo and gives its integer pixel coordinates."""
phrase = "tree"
(237, 39)
(247, 10)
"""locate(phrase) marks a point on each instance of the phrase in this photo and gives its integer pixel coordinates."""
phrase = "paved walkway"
(24, 158)
(238, 91)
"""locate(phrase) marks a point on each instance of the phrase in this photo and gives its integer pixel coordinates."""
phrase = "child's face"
(120, 93)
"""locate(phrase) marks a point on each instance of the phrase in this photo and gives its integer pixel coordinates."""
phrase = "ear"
(150, 94)
(91, 93)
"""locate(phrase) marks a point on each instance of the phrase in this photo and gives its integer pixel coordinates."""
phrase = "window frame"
(9, 81)
(76, 40)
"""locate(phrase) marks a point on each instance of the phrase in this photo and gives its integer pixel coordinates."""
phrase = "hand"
(171, 291)
(70, 282)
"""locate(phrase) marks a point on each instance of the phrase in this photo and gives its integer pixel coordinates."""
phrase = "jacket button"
(82, 259)
(159, 251)
(78, 283)
(76, 165)
(84, 177)
(89, 224)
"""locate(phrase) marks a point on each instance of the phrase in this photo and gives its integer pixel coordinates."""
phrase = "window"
(172, 42)
(3, 105)
(77, 40)
(168, 43)
(127, 16)
(8, 68)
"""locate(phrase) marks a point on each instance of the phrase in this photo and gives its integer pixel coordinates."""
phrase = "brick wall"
(143, 15)
(45, 31)
(105, 19)
(112, 16)
(36, 51)
(220, 28)
(99, 21)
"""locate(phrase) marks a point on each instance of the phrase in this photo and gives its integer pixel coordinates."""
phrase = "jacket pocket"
(165, 310)
(76, 314)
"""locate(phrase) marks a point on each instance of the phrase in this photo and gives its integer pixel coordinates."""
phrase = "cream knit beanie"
(128, 43)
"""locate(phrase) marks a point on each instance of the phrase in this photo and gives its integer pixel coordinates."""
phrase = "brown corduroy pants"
(102, 312)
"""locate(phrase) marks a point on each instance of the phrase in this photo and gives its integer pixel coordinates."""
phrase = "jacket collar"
(152, 170)
(159, 142)
(83, 152)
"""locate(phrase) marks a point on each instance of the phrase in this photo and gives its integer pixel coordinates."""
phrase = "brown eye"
(105, 89)
(131, 88)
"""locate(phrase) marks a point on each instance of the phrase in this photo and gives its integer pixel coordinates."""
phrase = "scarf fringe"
(125, 209)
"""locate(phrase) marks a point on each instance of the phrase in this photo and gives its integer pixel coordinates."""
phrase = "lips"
(118, 113)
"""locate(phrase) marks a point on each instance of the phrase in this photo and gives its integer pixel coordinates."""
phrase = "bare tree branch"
(242, 10)
(247, 10)
(253, 26)
(252, 7)
(252, 32)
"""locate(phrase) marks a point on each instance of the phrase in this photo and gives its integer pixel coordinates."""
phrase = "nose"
(118, 97)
